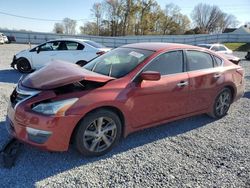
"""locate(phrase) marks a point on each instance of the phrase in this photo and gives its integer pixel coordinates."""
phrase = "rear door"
(154, 101)
(205, 79)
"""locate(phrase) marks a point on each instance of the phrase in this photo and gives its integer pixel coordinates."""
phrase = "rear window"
(95, 44)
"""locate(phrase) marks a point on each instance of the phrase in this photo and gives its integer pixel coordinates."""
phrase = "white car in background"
(222, 50)
(77, 51)
(218, 48)
(3, 39)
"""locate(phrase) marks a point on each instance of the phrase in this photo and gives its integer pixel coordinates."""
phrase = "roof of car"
(70, 39)
(157, 46)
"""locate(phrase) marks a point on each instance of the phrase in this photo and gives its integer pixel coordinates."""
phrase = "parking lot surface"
(194, 152)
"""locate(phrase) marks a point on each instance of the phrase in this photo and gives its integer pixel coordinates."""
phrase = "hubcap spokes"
(223, 103)
(100, 134)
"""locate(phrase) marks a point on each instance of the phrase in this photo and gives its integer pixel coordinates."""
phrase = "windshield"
(94, 44)
(118, 62)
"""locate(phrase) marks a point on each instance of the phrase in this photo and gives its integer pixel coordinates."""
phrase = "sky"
(80, 10)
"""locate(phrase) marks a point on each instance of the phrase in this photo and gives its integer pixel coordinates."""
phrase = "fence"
(36, 38)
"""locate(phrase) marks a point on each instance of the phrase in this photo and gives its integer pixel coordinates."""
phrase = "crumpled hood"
(59, 73)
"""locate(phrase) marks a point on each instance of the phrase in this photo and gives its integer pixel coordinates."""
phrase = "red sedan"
(127, 89)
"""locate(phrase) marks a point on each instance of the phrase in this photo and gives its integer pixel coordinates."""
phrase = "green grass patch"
(238, 46)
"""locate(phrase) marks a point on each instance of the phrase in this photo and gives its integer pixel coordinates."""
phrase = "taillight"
(100, 53)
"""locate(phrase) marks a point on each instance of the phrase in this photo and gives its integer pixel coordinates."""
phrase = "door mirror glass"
(150, 76)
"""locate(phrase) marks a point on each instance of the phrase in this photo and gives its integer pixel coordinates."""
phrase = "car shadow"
(36, 165)
(10, 76)
(247, 95)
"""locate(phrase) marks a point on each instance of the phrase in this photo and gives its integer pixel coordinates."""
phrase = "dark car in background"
(11, 38)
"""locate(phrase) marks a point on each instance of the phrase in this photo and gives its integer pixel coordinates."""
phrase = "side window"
(46, 47)
(168, 63)
(222, 48)
(80, 46)
(199, 60)
(62, 46)
(215, 48)
(49, 46)
(74, 45)
(55, 45)
(218, 61)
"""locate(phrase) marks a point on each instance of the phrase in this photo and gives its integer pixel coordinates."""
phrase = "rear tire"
(23, 66)
(98, 133)
(221, 104)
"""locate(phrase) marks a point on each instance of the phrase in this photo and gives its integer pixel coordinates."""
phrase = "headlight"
(55, 108)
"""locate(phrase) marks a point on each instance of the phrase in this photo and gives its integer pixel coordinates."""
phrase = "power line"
(37, 19)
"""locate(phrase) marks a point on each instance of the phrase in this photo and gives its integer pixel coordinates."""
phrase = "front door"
(155, 101)
(44, 54)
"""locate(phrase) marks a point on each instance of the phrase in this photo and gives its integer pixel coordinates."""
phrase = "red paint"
(143, 104)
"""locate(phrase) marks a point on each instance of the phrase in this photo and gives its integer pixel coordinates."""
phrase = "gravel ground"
(194, 152)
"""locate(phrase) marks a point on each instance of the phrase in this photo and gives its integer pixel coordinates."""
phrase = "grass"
(238, 46)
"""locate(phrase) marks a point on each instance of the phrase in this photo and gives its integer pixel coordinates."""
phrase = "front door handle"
(182, 83)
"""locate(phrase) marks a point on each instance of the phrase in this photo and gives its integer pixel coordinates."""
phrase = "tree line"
(146, 17)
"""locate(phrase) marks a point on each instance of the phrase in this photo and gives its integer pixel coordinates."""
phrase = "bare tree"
(135, 17)
(97, 10)
(58, 28)
(69, 26)
(89, 28)
(228, 20)
(172, 21)
(126, 16)
(210, 18)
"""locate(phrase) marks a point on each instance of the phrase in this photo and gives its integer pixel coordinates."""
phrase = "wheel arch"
(24, 58)
(232, 89)
(106, 107)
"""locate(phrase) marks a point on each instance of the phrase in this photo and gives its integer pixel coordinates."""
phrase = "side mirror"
(150, 76)
(38, 50)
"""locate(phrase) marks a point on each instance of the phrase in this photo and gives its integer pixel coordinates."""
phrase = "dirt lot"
(194, 152)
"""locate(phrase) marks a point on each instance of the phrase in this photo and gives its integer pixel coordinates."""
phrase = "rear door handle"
(182, 83)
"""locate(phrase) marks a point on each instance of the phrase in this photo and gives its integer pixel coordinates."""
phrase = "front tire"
(98, 133)
(23, 66)
(222, 103)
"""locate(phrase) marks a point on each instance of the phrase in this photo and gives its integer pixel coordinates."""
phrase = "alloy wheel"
(100, 134)
(223, 103)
